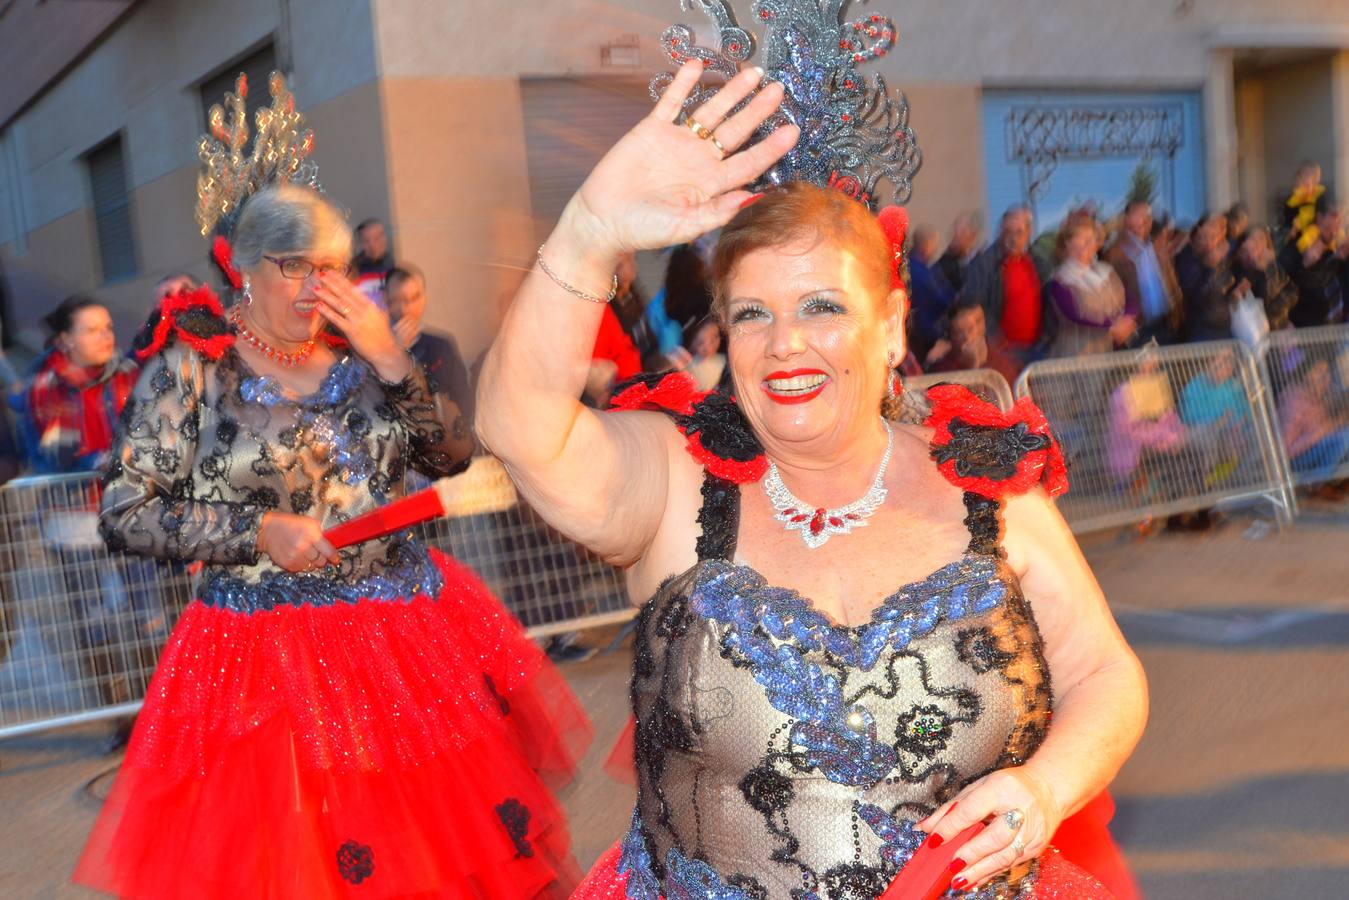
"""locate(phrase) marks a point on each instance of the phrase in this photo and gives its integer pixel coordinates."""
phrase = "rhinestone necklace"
(818, 524)
(294, 358)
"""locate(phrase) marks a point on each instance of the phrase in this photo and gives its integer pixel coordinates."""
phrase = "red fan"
(927, 874)
(414, 509)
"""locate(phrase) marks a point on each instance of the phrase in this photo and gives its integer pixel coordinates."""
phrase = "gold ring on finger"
(346, 310)
(716, 143)
(1018, 846)
(698, 128)
(1013, 819)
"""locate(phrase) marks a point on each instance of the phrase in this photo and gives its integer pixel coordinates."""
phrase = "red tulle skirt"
(375, 749)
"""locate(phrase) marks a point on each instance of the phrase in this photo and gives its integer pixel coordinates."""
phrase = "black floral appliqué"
(855, 881)
(355, 862)
(301, 500)
(923, 730)
(767, 790)
(514, 815)
(982, 451)
(978, 648)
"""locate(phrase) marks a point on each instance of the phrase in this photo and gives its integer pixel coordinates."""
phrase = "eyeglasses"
(299, 268)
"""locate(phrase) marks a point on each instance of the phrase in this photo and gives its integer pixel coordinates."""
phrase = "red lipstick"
(793, 399)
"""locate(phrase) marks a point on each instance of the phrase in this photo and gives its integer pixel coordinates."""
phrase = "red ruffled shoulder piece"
(718, 436)
(194, 317)
(992, 453)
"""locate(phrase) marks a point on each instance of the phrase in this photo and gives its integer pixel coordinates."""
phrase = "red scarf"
(77, 406)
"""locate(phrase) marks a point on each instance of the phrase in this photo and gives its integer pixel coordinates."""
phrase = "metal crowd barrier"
(1307, 371)
(547, 582)
(1160, 431)
(81, 629)
(988, 384)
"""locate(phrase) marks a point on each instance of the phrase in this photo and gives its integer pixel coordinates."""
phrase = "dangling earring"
(248, 294)
(893, 384)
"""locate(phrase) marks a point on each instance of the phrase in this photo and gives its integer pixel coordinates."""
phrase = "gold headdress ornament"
(281, 148)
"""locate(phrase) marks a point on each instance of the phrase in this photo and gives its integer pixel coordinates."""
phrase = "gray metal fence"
(988, 384)
(1307, 371)
(1160, 431)
(81, 629)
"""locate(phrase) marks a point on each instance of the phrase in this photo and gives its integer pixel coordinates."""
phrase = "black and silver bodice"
(781, 756)
(206, 446)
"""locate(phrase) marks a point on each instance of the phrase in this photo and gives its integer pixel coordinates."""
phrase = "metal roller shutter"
(569, 124)
(112, 211)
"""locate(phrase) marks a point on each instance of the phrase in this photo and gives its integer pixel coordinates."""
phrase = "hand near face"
(365, 326)
(662, 184)
(406, 331)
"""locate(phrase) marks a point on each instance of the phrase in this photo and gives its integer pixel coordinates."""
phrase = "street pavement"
(1239, 789)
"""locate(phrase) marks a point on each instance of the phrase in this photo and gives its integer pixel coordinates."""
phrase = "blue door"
(1059, 150)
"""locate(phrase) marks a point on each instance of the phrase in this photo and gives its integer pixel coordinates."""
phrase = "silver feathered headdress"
(854, 134)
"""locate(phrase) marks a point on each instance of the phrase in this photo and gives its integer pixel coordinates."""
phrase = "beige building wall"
(142, 83)
(1298, 122)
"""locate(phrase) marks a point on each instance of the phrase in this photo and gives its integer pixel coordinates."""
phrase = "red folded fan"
(412, 510)
(928, 874)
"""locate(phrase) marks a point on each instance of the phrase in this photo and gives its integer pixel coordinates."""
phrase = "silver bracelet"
(613, 288)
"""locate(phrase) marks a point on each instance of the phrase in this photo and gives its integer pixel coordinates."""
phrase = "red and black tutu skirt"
(380, 748)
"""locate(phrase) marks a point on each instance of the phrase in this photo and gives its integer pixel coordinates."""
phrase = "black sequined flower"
(226, 430)
(357, 423)
(266, 497)
(722, 429)
(301, 500)
(355, 862)
(748, 886)
(212, 466)
(982, 451)
(289, 437)
(166, 460)
(978, 648)
(854, 881)
(514, 816)
(923, 730)
(162, 381)
(767, 790)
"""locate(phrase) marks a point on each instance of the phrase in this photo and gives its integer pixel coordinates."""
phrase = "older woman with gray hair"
(815, 700)
(323, 722)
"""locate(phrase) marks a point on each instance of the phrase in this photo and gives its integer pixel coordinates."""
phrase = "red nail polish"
(957, 864)
(934, 841)
(959, 883)
(751, 199)
(953, 806)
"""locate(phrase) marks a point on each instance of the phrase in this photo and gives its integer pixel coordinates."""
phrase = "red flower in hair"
(981, 449)
(223, 255)
(194, 317)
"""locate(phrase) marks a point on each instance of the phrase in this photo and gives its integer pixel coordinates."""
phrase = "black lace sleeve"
(149, 504)
(440, 441)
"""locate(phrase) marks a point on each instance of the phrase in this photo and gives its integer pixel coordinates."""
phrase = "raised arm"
(1100, 699)
(602, 478)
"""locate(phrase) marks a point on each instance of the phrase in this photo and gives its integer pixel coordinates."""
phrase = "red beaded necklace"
(294, 358)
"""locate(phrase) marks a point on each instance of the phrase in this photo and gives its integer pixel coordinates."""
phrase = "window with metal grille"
(258, 66)
(112, 210)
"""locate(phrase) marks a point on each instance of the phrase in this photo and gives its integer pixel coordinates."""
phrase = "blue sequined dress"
(377, 728)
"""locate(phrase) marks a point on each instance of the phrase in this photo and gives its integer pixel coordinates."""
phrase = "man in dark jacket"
(1319, 270)
(964, 235)
(405, 291)
(1206, 282)
(1007, 281)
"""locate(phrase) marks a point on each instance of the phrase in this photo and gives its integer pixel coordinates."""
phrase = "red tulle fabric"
(1059, 879)
(1044, 466)
(271, 741)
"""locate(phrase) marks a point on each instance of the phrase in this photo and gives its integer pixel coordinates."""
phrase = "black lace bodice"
(781, 756)
(206, 446)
